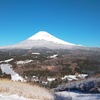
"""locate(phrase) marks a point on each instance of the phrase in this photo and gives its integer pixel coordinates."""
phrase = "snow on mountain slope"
(42, 39)
(42, 35)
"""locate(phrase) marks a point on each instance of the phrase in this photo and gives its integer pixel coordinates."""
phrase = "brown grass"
(24, 89)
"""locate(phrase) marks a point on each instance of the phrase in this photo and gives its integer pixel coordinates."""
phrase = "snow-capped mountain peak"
(43, 35)
(42, 39)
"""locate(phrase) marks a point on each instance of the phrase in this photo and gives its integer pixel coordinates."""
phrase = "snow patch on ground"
(7, 68)
(16, 77)
(8, 60)
(53, 56)
(51, 79)
(23, 62)
(74, 77)
(69, 77)
(12, 97)
(35, 53)
(64, 95)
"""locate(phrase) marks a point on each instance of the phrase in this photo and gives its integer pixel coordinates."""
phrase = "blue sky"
(75, 21)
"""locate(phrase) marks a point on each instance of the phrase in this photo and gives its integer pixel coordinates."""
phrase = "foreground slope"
(23, 89)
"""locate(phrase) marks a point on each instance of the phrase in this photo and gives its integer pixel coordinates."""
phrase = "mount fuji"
(42, 35)
(42, 39)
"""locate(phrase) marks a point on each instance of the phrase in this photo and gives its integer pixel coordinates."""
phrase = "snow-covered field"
(64, 95)
(7, 68)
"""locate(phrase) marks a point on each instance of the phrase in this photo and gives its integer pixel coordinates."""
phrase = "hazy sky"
(75, 21)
